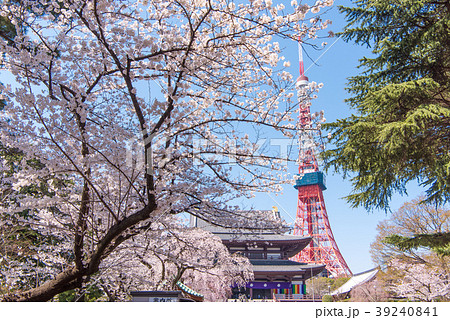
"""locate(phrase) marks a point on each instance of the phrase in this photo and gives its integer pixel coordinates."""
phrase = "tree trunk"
(64, 281)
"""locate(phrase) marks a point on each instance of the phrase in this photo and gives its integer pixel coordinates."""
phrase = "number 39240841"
(406, 311)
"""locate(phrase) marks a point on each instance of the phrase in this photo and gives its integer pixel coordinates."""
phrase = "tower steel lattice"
(312, 218)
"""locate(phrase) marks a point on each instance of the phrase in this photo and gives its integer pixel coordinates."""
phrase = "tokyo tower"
(312, 218)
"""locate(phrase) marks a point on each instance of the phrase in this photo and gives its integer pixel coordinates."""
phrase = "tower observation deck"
(312, 217)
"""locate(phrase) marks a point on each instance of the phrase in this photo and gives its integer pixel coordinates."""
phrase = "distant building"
(276, 277)
(344, 291)
(157, 296)
(185, 294)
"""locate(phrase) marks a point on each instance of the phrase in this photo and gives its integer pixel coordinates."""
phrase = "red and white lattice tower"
(312, 218)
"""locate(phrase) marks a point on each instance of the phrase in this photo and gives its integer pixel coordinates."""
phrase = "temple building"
(275, 276)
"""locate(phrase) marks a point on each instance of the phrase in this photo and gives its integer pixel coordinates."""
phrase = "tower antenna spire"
(302, 80)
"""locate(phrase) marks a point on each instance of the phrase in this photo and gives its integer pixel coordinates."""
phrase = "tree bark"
(64, 281)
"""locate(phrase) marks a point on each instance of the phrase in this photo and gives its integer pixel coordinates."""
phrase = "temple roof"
(356, 280)
(262, 237)
(285, 267)
(276, 262)
(256, 221)
(193, 294)
(289, 243)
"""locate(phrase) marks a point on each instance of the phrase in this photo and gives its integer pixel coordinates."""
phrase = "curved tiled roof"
(292, 244)
(188, 290)
(285, 267)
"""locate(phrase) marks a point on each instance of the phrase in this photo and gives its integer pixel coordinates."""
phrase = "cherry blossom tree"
(157, 262)
(127, 113)
(419, 282)
(371, 291)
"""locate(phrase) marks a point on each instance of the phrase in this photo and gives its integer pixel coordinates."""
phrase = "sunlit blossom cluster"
(419, 282)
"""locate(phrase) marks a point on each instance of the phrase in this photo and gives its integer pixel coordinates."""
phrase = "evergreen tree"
(400, 129)
(415, 233)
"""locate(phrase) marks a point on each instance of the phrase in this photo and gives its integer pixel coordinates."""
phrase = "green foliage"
(412, 218)
(91, 294)
(438, 242)
(19, 240)
(338, 282)
(327, 298)
(400, 131)
(7, 29)
(2, 104)
(323, 285)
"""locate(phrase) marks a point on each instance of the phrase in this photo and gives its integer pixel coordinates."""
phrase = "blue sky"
(353, 229)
